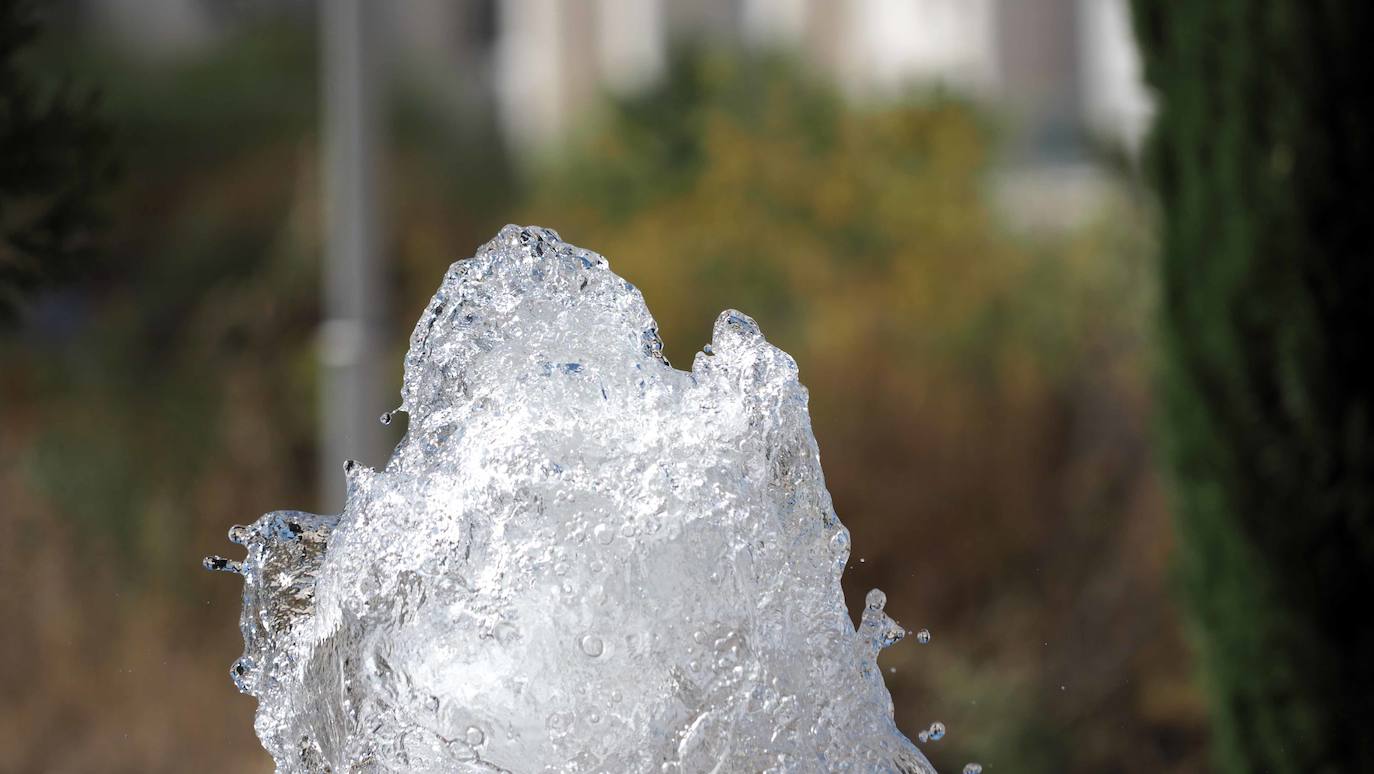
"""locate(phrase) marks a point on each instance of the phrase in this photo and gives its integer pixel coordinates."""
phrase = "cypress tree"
(1263, 160)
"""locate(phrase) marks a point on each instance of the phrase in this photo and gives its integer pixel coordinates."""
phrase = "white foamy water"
(578, 559)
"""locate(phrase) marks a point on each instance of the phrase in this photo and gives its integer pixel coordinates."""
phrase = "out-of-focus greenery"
(977, 393)
(149, 403)
(56, 161)
(1265, 169)
(208, 280)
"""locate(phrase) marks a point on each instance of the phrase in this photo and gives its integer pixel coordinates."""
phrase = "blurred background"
(936, 206)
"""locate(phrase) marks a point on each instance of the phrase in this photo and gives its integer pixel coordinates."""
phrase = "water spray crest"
(577, 559)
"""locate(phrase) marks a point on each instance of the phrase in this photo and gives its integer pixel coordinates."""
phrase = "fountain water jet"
(578, 558)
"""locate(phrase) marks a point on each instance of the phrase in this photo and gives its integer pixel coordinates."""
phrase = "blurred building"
(1064, 74)
(1065, 71)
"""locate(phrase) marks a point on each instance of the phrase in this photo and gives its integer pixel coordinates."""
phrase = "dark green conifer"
(1263, 158)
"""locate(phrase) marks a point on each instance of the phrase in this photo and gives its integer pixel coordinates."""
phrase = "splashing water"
(578, 558)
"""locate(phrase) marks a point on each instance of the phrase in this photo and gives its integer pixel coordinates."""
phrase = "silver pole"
(351, 393)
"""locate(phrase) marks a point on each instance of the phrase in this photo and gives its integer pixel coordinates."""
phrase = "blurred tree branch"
(55, 162)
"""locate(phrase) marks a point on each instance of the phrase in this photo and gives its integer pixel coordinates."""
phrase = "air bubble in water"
(592, 645)
(973, 768)
(923, 636)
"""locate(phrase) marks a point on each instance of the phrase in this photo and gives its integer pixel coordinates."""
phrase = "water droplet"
(923, 636)
(892, 634)
(220, 564)
(923, 737)
(241, 672)
(592, 645)
(708, 349)
(385, 418)
(839, 546)
(876, 599)
(474, 736)
(240, 534)
(973, 768)
(937, 731)
(603, 534)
